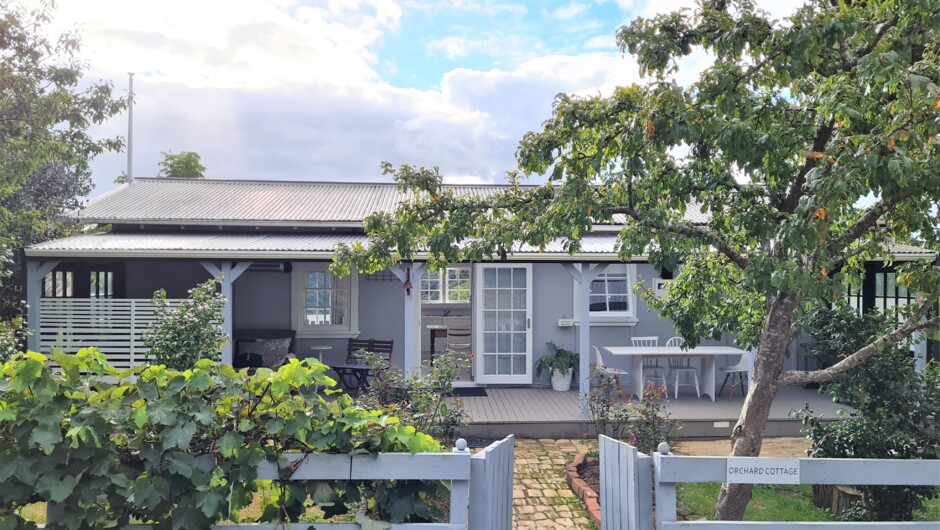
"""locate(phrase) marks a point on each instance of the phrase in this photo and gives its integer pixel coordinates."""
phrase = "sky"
(327, 90)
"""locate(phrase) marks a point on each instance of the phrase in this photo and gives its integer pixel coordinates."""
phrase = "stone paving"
(541, 498)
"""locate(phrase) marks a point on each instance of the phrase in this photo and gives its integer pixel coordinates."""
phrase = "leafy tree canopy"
(44, 112)
(185, 165)
(795, 125)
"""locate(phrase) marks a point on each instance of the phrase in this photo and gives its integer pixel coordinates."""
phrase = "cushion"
(247, 355)
(272, 351)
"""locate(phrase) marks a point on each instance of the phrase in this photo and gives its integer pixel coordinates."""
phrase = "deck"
(544, 413)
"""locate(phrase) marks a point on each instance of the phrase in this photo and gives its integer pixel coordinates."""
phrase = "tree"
(778, 141)
(44, 113)
(185, 165)
(45, 147)
(32, 214)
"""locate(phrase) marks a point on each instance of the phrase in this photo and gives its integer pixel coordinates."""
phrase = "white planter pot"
(561, 381)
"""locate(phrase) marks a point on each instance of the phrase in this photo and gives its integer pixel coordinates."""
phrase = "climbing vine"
(179, 449)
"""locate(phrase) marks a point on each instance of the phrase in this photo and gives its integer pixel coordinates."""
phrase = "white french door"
(503, 324)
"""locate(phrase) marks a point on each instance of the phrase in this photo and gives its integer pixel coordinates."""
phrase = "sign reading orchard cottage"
(763, 471)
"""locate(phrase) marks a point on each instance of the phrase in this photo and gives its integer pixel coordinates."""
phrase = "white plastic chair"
(737, 370)
(679, 366)
(613, 372)
(651, 368)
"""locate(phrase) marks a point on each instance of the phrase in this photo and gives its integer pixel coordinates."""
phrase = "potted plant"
(560, 363)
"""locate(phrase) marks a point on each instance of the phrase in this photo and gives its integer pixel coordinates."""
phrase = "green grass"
(768, 503)
(931, 511)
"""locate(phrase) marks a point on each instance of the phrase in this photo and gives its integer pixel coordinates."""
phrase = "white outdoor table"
(706, 353)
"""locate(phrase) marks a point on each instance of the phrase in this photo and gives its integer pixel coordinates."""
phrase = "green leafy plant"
(558, 360)
(13, 334)
(424, 401)
(896, 418)
(183, 335)
(180, 449)
(644, 423)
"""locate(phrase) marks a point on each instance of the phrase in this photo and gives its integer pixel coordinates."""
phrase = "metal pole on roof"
(130, 127)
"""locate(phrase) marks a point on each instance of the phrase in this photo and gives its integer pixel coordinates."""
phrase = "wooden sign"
(746, 470)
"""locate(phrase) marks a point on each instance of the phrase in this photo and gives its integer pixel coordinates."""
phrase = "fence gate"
(491, 486)
(626, 494)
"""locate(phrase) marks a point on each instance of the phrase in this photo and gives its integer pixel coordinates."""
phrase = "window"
(454, 289)
(611, 297)
(101, 284)
(58, 284)
(324, 305)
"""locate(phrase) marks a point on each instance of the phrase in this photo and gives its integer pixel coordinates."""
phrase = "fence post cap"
(460, 445)
(663, 448)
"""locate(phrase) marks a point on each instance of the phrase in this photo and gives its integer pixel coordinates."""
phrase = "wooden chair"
(681, 365)
(458, 334)
(353, 375)
(651, 368)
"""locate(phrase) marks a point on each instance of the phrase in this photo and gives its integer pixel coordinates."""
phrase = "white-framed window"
(324, 305)
(611, 298)
(453, 287)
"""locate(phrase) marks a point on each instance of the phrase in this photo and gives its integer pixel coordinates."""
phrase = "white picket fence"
(625, 479)
(480, 494)
(113, 326)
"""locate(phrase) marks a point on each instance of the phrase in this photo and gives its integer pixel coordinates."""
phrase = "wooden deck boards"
(543, 405)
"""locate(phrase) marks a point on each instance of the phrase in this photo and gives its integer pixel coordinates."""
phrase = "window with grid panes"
(325, 304)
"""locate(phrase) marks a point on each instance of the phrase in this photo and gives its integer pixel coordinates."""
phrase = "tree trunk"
(748, 433)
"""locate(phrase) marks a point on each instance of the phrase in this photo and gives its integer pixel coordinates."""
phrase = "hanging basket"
(561, 381)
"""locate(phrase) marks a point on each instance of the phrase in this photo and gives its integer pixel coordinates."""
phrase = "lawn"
(769, 502)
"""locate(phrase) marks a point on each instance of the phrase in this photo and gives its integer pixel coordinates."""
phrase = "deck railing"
(113, 326)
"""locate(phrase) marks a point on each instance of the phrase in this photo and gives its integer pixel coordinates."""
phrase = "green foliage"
(424, 401)
(185, 165)
(644, 424)
(182, 335)
(558, 359)
(13, 334)
(179, 448)
(896, 419)
(838, 332)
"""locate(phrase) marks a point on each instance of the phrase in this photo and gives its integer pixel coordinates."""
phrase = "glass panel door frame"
(503, 323)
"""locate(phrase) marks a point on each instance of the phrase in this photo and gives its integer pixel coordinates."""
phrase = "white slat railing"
(113, 326)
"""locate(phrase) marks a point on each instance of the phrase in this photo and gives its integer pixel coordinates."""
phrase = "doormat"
(469, 392)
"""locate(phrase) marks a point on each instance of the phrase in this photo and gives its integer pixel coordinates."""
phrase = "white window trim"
(298, 277)
(611, 319)
(443, 303)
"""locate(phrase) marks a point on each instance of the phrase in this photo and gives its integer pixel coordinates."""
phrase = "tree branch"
(688, 230)
(905, 330)
(823, 134)
(865, 222)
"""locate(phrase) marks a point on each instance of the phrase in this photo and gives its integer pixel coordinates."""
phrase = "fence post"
(132, 334)
(460, 491)
(665, 491)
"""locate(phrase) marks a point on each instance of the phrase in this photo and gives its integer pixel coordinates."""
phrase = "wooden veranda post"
(229, 272)
(584, 276)
(35, 272)
(411, 273)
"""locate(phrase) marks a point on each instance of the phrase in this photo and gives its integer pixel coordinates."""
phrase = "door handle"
(528, 323)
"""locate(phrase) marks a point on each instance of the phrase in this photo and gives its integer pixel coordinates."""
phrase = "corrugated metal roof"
(208, 201)
(256, 245)
(262, 203)
(308, 246)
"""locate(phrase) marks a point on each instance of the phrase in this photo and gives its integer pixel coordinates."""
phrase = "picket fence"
(481, 484)
(625, 484)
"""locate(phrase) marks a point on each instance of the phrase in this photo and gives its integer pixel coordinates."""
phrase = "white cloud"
(569, 11)
(601, 42)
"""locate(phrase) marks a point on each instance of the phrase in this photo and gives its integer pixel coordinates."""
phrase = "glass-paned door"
(504, 332)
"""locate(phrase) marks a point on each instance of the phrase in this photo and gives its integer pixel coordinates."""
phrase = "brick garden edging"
(582, 490)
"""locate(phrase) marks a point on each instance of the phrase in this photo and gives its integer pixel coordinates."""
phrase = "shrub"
(423, 401)
(192, 331)
(895, 417)
(180, 449)
(13, 334)
(644, 424)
